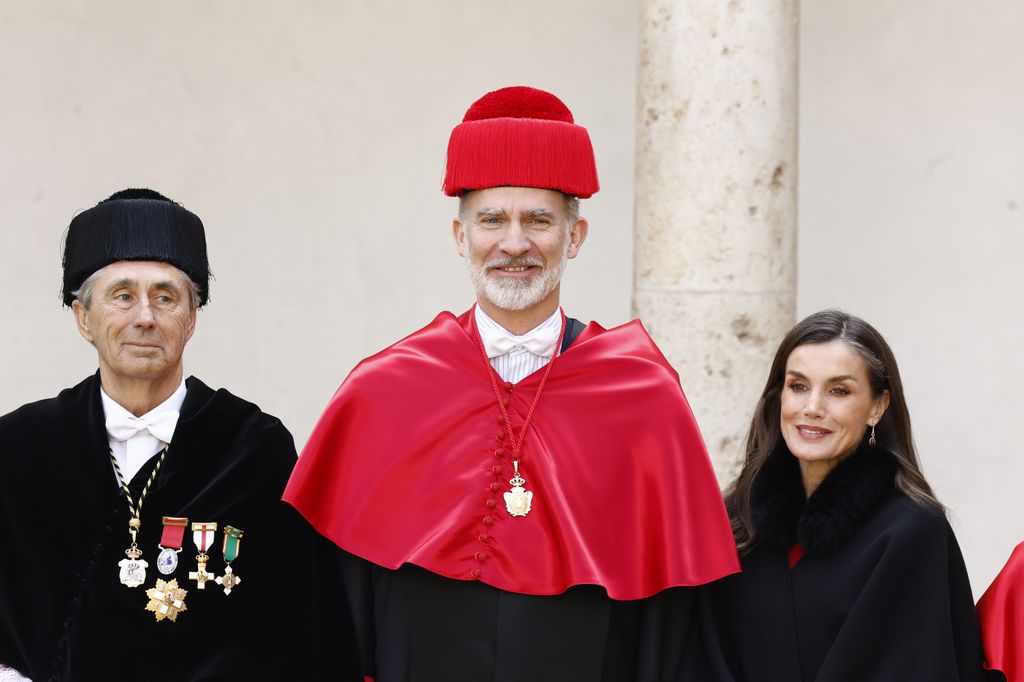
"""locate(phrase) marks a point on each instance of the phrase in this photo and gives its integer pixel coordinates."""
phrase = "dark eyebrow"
(841, 377)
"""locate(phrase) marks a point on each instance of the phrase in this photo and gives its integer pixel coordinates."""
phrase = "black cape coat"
(417, 626)
(880, 595)
(64, 615)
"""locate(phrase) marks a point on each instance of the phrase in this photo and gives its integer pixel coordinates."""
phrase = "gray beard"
(515, 294)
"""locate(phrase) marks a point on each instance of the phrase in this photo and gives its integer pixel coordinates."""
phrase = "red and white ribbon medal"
(170, 544)
(203, 534)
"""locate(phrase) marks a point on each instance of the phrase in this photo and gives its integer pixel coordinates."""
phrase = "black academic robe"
(880, 594)
(417, 626)
(64, 615)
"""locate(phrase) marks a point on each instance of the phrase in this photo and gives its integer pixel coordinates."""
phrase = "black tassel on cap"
(135, 224)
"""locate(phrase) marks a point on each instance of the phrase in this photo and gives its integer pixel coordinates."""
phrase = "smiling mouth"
(812, 432)
(512, 269)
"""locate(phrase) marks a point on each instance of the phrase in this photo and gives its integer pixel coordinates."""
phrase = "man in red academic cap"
(518, 496)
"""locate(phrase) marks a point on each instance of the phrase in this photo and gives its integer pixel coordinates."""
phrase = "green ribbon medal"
(232, 544)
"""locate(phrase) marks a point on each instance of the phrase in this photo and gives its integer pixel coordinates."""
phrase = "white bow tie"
(541, 342)
(160, 425)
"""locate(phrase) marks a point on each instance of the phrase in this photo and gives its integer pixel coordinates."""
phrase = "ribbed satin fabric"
(1001, 612)
(400, 466)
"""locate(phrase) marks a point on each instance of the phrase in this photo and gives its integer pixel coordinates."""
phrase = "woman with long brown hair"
(850, 570)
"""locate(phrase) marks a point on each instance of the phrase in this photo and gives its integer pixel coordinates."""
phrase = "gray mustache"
(513, 263)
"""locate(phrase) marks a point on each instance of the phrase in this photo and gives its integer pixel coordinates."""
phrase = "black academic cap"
(135, 224)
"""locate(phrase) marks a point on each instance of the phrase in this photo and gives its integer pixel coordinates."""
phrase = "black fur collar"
(821, 523)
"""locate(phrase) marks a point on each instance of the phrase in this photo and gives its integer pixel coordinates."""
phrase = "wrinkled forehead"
(143, 274)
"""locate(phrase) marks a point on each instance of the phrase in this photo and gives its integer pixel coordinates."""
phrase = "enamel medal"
(232, 544)
(170, 544)
(133, 568)
(202, 534)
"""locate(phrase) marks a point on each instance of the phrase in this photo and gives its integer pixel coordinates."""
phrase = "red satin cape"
(402, 468)
(1001, 612)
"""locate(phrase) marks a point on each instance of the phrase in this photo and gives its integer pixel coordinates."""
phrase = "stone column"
(715, 235)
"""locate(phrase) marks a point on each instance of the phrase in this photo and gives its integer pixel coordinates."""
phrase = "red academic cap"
(520, 137)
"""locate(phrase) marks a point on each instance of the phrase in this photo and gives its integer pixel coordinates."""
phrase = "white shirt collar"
(113, 410)
(541, 340)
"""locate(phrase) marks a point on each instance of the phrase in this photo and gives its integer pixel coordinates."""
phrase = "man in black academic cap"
(143, 536)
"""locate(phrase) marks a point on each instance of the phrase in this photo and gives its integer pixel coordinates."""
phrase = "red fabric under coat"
(1001, 612)
(401, 466)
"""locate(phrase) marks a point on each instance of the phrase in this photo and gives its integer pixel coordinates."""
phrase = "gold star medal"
(166, 600)
(232, 543)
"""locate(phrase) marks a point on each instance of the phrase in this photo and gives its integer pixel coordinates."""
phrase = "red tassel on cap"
(521, 137)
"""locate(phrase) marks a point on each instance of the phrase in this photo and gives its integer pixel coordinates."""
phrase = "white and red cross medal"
(203, 534)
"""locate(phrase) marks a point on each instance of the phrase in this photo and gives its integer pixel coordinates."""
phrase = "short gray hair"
(83, 294)
(572, 208)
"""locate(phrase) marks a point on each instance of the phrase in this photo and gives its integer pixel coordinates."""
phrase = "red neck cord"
(517, 444)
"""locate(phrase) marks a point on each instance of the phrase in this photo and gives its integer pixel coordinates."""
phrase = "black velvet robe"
(64, 526)
(880, 595)
(416, 626)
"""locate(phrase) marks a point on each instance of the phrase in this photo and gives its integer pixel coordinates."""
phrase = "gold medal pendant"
(519, 500)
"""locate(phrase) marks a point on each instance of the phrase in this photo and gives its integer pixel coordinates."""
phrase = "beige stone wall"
(310, 138)
(912, 216)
